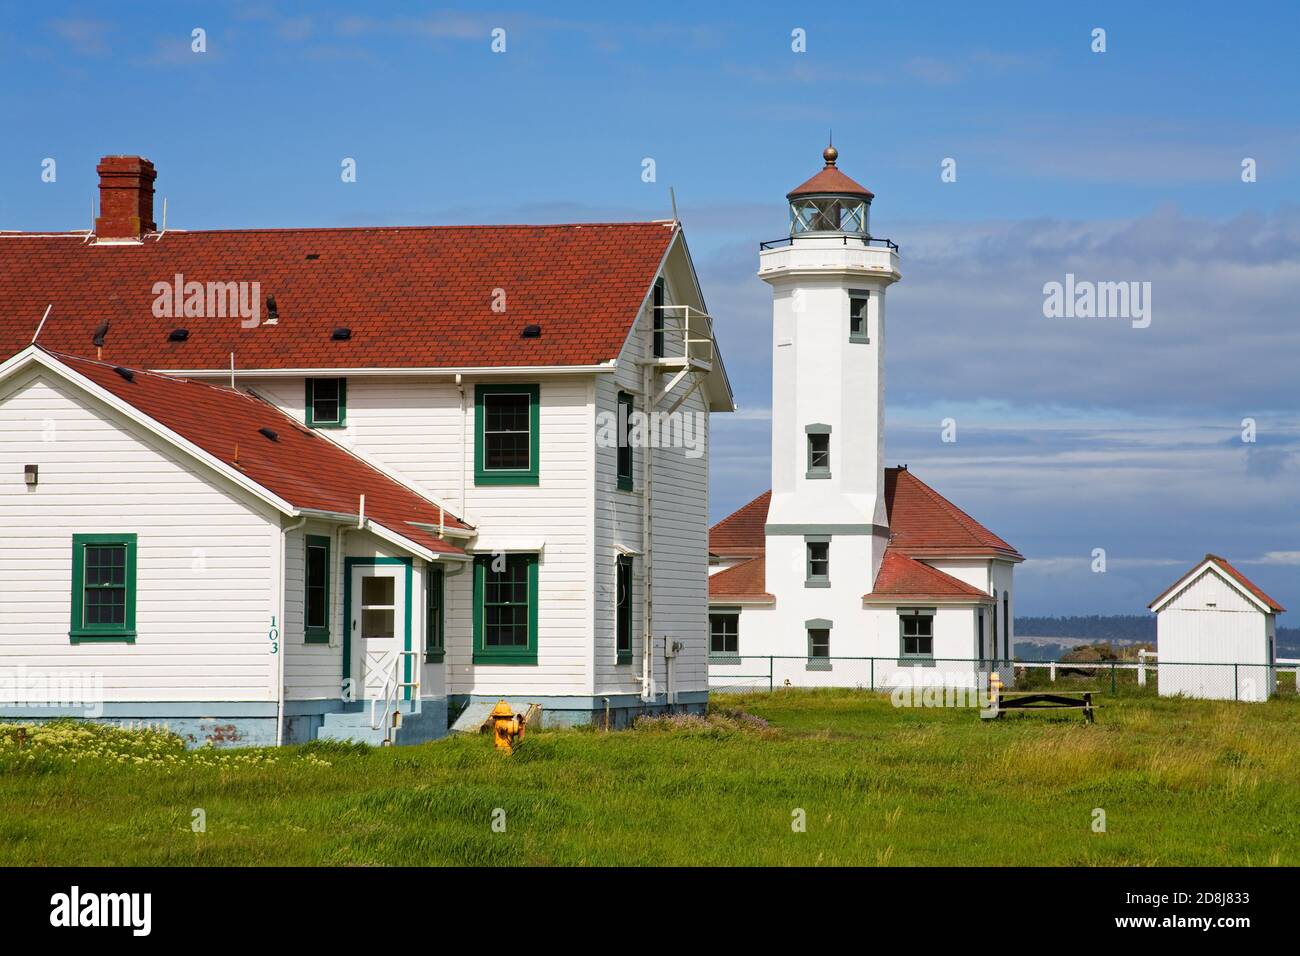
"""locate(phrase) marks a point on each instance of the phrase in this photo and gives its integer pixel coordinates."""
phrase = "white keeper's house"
(279, 484)
(1216, 634)
(845, 559)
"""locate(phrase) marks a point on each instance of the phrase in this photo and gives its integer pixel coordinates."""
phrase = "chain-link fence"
(1206, 680)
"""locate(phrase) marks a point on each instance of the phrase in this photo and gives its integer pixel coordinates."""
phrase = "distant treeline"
(1138, 628)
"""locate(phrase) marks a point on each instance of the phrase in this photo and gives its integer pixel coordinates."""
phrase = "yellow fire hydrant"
(507, 727)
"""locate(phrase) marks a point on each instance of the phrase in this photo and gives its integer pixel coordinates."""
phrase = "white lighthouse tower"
(826, 529)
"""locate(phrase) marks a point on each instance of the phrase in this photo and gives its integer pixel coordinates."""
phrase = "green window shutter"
(505, 610)
(317, 570)
(435, 649)
(625, 408)
(326, 404)
(503, 453)
(103, 588)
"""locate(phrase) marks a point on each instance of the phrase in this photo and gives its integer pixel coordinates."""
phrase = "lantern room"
(830, 202)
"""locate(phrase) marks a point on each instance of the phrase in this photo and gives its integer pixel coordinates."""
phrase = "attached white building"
(847, 573)
(541, 394)
(1216, 635)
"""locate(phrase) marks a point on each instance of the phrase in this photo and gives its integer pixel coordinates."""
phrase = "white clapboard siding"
(414, 428)
(205, 591)
(680, 530)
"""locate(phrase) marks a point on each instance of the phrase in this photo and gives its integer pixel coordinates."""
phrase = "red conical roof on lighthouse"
(830, 180)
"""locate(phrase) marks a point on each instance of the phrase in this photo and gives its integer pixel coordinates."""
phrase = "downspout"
(460, 387)
(647, 549)
(279, 706)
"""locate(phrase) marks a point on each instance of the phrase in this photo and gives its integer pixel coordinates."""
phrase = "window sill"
(817, 584)
(624, 484)
(100, 637)
(732, 660)
(316, 637)
(859, 339)
(509, 660)
(435, 657)
(920, 661)
(814, 475)
(504, 478)
(623, 657)
(817, 665)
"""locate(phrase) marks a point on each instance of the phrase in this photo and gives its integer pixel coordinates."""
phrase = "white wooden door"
(378, 626)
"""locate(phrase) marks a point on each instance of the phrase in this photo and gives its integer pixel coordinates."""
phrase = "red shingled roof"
(743, 582)
(300, 466)
(922, 522)
(740, 534)
(1223, 565)
(415, 297)
(901, 577)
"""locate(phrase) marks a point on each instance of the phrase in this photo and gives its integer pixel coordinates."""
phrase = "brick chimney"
(125, 197)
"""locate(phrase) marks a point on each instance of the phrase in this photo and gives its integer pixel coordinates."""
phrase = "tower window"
(819, 562)
(819, 644)
(724, 634)
(858, 316)
(819, 451)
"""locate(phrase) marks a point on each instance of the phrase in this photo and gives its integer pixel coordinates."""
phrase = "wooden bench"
(1036, 700)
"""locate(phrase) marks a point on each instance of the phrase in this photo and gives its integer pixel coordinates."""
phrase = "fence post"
(873, 673)
(1142, 667)
(1051, 672)
(1114, 691)
(771, 667)
(1236, 684)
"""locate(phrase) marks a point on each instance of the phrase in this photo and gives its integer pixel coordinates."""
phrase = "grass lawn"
(1181, 783)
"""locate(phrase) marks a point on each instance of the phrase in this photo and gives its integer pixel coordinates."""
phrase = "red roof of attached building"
(1223, 565)
(300, 465)
(743, 582)
(740, 534)
(414, 297)
(904, 578)
(922, 523)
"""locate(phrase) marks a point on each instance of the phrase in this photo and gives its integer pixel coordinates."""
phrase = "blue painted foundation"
(242, 723)
(583, 711)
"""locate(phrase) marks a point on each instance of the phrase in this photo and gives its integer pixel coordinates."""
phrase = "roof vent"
(178, 335)
(531, 332)
(100, 334)
(269, 433)
(126, 373)
(313, 255)
(272, 311)
(341, 334)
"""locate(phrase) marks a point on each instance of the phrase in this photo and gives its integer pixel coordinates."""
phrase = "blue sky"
(1117, 166)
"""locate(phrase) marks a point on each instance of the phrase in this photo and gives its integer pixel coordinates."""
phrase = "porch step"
(353, 725)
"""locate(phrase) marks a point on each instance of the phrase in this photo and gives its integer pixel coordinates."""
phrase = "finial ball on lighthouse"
(830, 154)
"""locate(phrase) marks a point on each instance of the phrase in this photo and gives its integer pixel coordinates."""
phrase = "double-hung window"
(858, 310)
(623, 610)
(916, 634)
(505, 609)
(819, 644)
(625, 408)
(316, 612)
(103, 588)
(327, 402)
(506, 434)
(435, 646)
(819, 451)
(818, 567)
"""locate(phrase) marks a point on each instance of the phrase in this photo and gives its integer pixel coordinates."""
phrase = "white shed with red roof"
(1216, 634)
